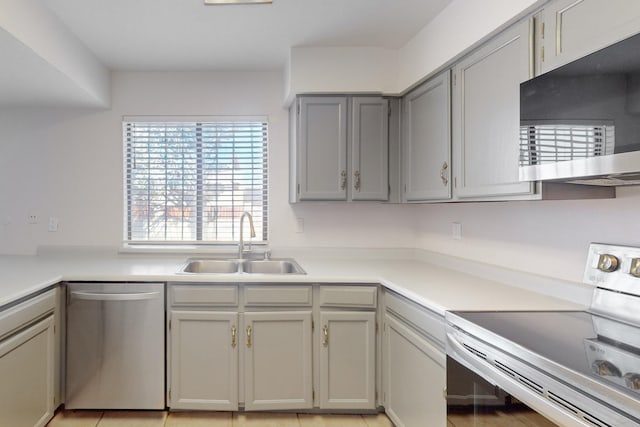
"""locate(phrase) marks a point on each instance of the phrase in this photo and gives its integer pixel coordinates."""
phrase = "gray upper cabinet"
(369, 148)
(486, 116)
(570, 29)
(339, 148)
(322, 144)
(426, 141)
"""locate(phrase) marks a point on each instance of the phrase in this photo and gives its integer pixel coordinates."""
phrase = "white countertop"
(431, 285)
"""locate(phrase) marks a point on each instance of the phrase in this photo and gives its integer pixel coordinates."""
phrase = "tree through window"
(189, 181)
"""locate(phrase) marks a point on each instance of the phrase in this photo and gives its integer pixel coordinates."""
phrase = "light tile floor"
(211, 419)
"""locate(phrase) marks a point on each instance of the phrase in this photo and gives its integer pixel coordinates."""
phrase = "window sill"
(191, 249)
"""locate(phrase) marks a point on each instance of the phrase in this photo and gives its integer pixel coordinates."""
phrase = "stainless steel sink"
(272, 266)
(239, 266)
(211, 266)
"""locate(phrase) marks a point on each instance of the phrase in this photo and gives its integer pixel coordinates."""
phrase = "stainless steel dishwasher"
(115, 346)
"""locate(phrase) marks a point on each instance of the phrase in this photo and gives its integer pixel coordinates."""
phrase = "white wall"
(550, 238)
(68, 164)
(55, 53)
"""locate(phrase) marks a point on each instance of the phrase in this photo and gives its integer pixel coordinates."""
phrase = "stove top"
(593, 356)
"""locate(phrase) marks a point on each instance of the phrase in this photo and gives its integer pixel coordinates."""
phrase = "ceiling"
(186, 35)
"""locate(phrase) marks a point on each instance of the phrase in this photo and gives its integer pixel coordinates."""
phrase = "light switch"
(53, 224)
(299, 225)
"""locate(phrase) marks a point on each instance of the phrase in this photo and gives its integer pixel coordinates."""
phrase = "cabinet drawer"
(20, 315)
(349, 296)
(204, 295)
(266, 295)
(425, 321)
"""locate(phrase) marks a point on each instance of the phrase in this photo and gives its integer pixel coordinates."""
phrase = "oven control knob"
(635, 267)
(608, 263)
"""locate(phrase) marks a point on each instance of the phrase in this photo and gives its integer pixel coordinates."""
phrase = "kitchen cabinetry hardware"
(356, 180)
(325, 336)
(443, 176)
(249, 336)
(233, 336)
(343, 180)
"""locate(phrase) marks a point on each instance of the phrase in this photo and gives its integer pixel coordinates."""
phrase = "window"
(189, 181)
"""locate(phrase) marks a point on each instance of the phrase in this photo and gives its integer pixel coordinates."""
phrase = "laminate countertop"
(437, 282)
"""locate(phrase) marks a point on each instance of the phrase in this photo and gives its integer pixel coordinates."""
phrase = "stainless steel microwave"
(580, 123)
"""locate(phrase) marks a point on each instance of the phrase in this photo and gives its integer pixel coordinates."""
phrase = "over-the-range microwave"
(580, 123)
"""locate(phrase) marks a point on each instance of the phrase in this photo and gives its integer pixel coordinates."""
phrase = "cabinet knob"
(356, 180)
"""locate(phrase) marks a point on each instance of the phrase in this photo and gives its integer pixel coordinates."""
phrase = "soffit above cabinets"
(177, 35)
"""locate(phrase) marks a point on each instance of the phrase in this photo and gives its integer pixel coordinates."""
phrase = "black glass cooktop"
(602, 349)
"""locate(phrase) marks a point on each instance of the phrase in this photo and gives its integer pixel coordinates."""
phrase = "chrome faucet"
(253, 233)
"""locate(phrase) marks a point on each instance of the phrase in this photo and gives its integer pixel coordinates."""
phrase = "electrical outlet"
(299, 225)
(32, 218)
(53, 224)
(456, 231)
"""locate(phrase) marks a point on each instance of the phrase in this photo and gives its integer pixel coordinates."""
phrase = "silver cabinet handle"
(443, 173)
(325, 335)
(343, 180)
(233, 336)
(356, 180)
(100, 296)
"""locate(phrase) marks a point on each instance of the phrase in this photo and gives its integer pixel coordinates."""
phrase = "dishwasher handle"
(106, 296)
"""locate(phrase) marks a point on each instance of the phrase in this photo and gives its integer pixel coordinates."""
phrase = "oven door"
(473, 401)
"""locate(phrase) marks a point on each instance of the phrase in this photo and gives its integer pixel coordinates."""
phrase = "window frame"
(198, 245)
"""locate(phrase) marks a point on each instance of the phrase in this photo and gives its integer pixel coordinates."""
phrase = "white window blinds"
(189, 181)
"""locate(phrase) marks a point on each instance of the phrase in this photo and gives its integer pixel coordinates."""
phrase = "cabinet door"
(277, 360)
(415, 378)
(347, 360)
(322, 140)
(426, 141)
(204, 360)
(369, 148)
(486, 116)
(574, 28)
(27, 371)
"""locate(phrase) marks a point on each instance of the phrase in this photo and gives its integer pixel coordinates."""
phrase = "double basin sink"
(240, 266)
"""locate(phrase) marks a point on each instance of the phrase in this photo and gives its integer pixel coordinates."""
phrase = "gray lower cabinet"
(204, 360)
(339, 148)
(347, 360)
(277, 360)
(570, 29)
(426, 141)
(486, 116)
(27, 362)
(414, 365)
(240, 345)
